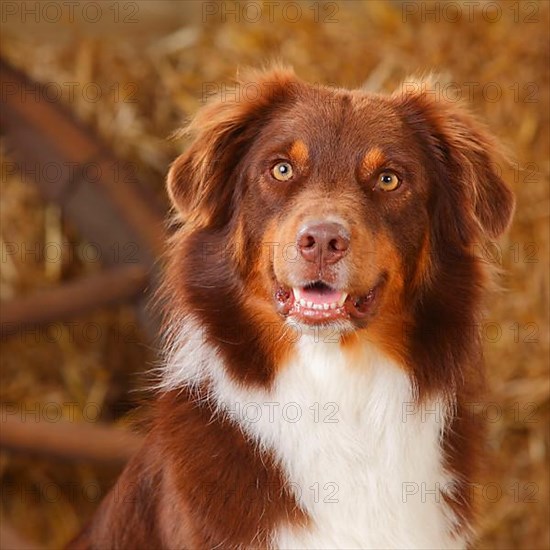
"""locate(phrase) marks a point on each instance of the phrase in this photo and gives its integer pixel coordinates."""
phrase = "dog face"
(337, 183)
(336, 209)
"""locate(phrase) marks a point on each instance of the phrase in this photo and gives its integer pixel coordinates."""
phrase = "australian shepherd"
(322, 296)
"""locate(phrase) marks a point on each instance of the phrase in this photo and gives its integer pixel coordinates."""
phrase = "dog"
(321, 300)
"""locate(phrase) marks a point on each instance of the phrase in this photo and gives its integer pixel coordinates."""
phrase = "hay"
(163, 62)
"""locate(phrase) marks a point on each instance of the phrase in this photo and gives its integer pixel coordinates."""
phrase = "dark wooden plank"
(69, 440)
(73, 299)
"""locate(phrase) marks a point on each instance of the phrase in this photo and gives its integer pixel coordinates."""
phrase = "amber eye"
(388, 181)
(282, 171)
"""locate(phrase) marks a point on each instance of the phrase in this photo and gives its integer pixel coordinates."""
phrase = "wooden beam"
(69, 440)
(73, 299)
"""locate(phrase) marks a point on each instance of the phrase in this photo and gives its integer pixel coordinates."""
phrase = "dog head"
(329, 208)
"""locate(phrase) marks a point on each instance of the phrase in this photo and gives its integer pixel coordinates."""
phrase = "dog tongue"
(320, 297)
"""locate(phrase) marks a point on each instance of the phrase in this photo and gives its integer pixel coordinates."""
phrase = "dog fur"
(276, 428)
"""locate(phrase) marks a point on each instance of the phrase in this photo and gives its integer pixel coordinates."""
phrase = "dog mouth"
(319, 303)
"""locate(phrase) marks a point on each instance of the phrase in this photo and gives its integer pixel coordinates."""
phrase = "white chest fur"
(362, 460)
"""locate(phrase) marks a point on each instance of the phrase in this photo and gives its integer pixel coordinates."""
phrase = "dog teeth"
(325, 306)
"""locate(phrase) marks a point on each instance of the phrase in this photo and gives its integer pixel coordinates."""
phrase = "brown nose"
(323, 242)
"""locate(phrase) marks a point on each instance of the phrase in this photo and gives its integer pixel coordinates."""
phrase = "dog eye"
(282, 171)
(388, 181)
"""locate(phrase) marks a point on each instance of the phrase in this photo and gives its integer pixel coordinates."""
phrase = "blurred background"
(84, 157)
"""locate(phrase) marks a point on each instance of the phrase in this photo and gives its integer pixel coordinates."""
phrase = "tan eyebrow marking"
(373, 160)
(299, 152)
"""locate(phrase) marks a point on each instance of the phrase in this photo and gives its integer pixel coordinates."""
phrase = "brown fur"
(224, 262)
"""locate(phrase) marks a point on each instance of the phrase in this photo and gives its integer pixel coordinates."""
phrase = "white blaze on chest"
(364, 462)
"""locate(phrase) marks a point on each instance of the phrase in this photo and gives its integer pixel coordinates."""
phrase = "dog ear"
(470, 155)
(201, 181)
